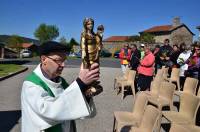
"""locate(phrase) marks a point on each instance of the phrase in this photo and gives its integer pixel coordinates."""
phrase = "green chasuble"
(38, 81)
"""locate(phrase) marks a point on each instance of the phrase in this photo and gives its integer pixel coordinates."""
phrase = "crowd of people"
(146, 61)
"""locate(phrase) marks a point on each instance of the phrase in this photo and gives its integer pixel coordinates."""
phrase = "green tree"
(134, 38)
(63, 40)
(46, 32)
(72, 42)
(15, 42)
(147, 37)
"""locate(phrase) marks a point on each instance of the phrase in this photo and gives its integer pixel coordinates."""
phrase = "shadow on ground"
(9, 119)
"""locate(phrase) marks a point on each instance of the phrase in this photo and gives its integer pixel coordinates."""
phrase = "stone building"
(115, 43)
(6, 52)
(176, 33)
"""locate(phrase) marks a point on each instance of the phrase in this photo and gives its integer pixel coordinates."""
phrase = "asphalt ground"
(106, 103)
(70, 62)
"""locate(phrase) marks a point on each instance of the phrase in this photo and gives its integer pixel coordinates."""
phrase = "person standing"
(194, 63)
(157, 58)
(164, 53)
(182, 59)
(174, 56)
(135, 57)
(124, 55)
(48, 102)
(146, 70)
(142, 54)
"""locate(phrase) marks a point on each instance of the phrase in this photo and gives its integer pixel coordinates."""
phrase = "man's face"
(53, 63)
(126, 46)
(166, 42)
(175, 48)
(142, 48)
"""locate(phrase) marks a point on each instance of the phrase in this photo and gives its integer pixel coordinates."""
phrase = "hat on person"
(142, 45)
(51, 46)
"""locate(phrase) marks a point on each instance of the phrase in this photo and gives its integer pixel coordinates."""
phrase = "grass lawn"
(6, 69)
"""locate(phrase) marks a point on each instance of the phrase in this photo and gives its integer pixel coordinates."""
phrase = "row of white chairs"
(160, 95)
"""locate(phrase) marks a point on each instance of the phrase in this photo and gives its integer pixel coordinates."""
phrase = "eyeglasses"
(58, 62)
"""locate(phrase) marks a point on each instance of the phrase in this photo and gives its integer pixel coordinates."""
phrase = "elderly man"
(48, 103)
(164, 53)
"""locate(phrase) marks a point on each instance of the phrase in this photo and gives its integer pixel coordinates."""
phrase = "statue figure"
(91, 45)
(99, 37)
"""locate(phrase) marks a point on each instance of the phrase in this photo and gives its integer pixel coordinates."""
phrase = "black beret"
(51, 46)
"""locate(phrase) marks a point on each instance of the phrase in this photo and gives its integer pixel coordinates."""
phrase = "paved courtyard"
(106, 102)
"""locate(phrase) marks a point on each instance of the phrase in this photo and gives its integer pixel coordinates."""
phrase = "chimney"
(176, 21)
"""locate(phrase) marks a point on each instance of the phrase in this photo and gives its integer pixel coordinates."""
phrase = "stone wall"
(181, 35)
(161, 38)
(114, 46)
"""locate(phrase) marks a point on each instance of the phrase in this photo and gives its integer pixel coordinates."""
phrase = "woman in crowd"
(182, 61)
(124, 55)
(194, 63)
(146, 70)
(174, 56)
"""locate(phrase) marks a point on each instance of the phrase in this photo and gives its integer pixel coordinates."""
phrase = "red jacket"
(124, 58)
(146, 66)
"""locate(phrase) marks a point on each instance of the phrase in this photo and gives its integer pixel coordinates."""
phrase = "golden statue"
(91, 45)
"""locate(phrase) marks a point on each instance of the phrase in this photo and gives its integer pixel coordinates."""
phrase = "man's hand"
(167, 58)
(162, 58)
(89, 75)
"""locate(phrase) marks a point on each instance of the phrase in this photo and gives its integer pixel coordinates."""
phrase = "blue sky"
(120, 17)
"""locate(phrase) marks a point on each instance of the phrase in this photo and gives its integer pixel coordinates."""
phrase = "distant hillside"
(4, 38)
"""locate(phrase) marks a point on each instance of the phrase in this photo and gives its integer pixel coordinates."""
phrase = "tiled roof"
(163, 28)
(116, 39)
(26, 45)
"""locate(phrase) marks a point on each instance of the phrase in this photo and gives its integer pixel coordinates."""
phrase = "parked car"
(26, 54)
(72, 54)
(116, 54)
(105, 53)
(75, 54)
(78, 55)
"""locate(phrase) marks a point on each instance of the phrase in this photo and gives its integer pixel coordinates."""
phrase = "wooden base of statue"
(94, 89)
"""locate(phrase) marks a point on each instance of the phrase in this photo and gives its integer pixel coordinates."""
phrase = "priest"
(49, 103)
